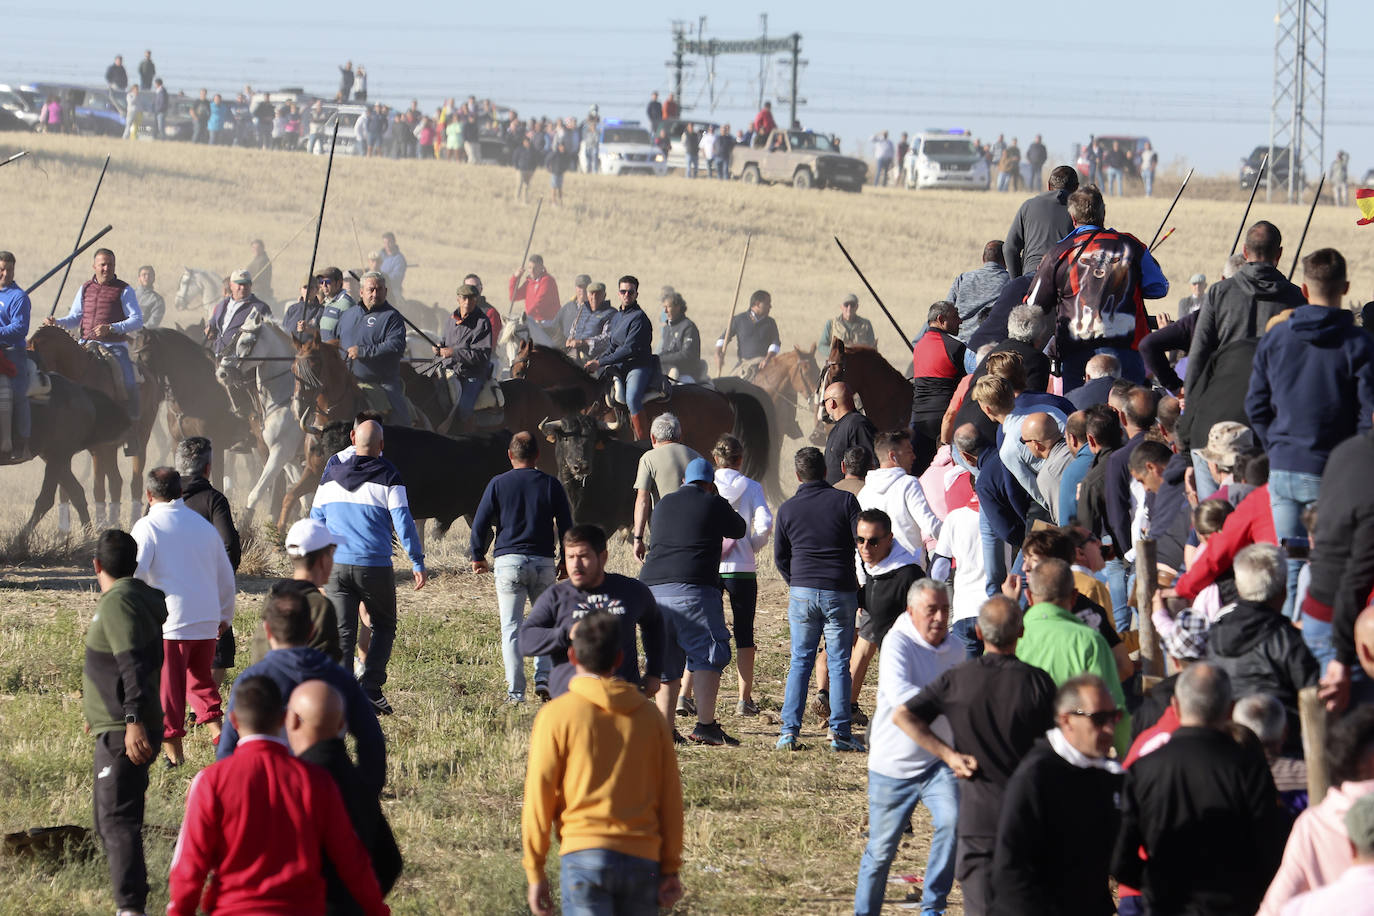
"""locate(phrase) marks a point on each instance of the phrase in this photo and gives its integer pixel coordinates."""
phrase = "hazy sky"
(1194, 76)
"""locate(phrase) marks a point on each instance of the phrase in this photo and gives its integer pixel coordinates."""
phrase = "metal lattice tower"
(1297, 116)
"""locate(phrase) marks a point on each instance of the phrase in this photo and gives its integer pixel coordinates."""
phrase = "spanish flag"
(1364, 199)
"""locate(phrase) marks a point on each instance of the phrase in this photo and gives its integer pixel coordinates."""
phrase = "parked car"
(677, 155)
(86, 110)
(23, 106)
(804, 158)
(627, 147)
(945, 159)
(1278, 165)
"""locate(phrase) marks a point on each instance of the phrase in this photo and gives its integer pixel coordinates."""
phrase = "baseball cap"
(1197, 278)
(699, 470)
(1225, 441)
(1187, 641)
(597, 287)
(240, 276)
(308, 535)
(467, 289)
(851, 299)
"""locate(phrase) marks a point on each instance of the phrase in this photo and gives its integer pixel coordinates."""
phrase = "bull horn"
(550, 428)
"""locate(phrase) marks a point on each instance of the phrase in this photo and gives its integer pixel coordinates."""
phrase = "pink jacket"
(1318, 850)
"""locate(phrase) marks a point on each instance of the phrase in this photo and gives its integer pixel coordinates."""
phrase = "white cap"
(308, 535)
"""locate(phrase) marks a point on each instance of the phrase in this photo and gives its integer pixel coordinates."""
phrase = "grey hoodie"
(1238, 308)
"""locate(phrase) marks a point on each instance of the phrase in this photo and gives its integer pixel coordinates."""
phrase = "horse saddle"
(114, 370)
(660, 387)
(491, 397)
(40, 386)
(377, 398)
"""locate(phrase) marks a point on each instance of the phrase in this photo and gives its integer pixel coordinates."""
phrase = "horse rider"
(679, 349)
(466, 354)
(589, 336)
(631, 358)
(228, 317)
(755, 335)
(373, 338)
(393, 265)
(106, 311)
(305, 319)
(848, 327)
(574, 307)
(540, 292)
(14, 331)
(301, 322)
(150, 301)
(261, 268)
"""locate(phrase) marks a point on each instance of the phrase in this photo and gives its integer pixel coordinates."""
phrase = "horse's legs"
(55, 473)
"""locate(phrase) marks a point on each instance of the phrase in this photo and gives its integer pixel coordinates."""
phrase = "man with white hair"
(916, 651)
(1203, 810)
(1102, 371)
(661, 471)
(1254, 644)
(373, 339)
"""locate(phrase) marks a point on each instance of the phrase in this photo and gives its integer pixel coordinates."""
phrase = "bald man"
(1043, 437)
(314, 723)
(362, 498)
(851, 428)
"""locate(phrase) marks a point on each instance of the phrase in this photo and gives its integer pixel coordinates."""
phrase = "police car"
(627, 148)
(945, 159)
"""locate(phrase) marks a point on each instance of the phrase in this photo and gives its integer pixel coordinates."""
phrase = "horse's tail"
(756, 427)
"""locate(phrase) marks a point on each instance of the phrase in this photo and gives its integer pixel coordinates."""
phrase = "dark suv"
(1278, 166)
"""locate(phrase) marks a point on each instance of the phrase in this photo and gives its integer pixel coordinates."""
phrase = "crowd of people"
(981, 556)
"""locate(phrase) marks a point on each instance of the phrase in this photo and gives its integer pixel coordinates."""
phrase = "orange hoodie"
(603, 772)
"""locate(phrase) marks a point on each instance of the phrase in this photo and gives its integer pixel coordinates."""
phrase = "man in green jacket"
(119, 697)
(1063, 646)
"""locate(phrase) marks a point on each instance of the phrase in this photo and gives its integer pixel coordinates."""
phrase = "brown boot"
(640, 426)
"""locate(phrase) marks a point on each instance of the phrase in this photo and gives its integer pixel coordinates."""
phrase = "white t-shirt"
(907, 664)
(961, 541)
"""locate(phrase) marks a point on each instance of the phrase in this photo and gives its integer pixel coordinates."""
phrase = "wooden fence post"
(1312, 714)
(1146, 576)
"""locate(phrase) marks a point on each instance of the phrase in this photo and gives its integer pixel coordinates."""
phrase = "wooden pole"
(1312, 713)
(739, 284)
(1146, 576)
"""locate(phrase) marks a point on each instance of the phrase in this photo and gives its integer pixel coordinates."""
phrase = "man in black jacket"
(679, 348)
(193, 459)
(1040, 222)
(314, 720)
(1204, 809)
(466, 354)
(1256, 645)
(1059, 817)
(851, 428)
(683, 572)
(1104, 437)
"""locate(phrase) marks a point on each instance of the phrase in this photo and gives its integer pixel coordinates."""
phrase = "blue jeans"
(722, 168)
(22, 424)
(1317, 635)
(1121, 594)
(636, 384)
(1206, 484)
(811, 613)
(880, 171)
(600, 882)
(470, 388)
(1149, 179)
(400, 407)
(890, 803)
(693, 166)
(1003, 181)
(963, 631)
(1289, 493)
(126, 366)
(994, 557)
(1114, 177)
(517, 578)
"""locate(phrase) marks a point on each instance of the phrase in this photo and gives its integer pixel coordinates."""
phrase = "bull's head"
(575, 438)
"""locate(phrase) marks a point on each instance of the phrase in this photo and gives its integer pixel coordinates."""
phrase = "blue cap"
(699, 471)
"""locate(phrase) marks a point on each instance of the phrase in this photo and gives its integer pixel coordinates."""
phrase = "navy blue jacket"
(685, 537)
(814, 534)
(380, 336)
(1001, 500)
(1312, 387)
(1092, 392)
(526, 505)
(1118, 492)
(288, 668)
(631, 340)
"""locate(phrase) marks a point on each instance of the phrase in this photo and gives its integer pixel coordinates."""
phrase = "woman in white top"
(737, 567)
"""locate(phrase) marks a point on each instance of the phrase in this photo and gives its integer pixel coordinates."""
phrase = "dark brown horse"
(58, 352)
(705, 413)
(884, 393)
(180, 368)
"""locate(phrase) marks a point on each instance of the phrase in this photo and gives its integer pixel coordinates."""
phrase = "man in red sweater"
(260, 820)
(540, 293)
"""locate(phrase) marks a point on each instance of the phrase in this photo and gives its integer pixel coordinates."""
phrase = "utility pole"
(679, 41)
(1297, 118)
(796, 62)
(709, 48)
(763, 56)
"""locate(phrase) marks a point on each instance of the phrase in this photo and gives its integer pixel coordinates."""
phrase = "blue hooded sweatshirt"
(1312, 387)
(361, 499)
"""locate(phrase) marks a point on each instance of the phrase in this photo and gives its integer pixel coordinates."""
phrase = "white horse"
(199, 289)
(265, 352)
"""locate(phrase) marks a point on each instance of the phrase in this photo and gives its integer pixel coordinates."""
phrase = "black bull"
(596, 469)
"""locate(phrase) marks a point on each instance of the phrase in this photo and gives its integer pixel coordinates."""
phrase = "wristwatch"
(130, 718)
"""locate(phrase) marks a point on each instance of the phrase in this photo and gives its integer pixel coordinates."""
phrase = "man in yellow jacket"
(603, 773)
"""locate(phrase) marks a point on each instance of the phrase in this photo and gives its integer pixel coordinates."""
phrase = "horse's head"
(804, 375)
(184, 289)
(521, 363)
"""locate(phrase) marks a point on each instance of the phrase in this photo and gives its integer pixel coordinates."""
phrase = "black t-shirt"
(850, 430)
(996, 706)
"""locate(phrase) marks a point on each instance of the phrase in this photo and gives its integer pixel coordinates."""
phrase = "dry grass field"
(766, 833)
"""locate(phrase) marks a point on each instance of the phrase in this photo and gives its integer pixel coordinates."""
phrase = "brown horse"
(58, 352)
(884, 392)
(705, 414)
(178, 366)
(790, 379)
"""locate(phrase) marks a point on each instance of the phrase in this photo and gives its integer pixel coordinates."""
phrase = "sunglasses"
(861, 541)
(1101, 718)
(625, 292)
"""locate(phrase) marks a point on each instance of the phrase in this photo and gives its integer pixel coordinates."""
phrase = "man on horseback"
(679, 350)
(540, 293)
(589, 336)
(631, 354)
(336, 301)
(14, 331)
(373, 339)
(848, 327)
(305, 319)
(756, 336)
(106, 310)
(226, 321)
(150, 301)
(466, 354)
(260, 268)
(393, 265)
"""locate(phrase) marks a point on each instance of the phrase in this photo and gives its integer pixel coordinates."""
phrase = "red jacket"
(541, 297)
(263, 821)
(764, 123)
(1251, 523)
